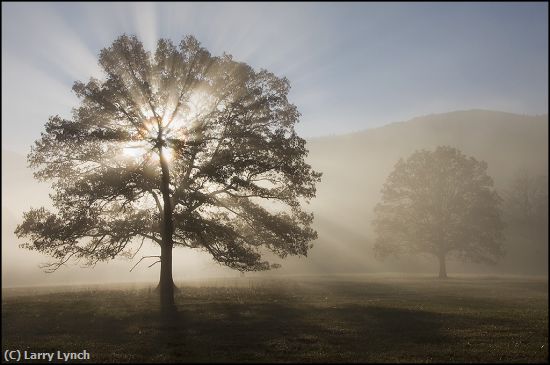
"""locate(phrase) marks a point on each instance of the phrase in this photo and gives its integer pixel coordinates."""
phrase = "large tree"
(179, 147)
(439, 203)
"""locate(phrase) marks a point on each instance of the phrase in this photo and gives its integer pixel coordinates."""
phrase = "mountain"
(356, 165)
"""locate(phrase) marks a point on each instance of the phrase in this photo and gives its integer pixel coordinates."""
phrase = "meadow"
(338, 318)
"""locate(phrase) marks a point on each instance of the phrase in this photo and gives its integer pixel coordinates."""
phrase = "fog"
(352, 67)
(354, 168)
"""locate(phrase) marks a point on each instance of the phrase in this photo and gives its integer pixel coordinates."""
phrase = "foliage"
(526, 201)
(438, 203)
(178, 147)
(526, 215)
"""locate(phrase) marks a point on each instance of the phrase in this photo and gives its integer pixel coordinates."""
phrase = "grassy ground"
(321, 319)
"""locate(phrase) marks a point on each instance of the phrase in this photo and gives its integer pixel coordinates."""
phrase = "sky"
(352, 66)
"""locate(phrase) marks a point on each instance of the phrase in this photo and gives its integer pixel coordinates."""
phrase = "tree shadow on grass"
(279, 332)
(218, 328)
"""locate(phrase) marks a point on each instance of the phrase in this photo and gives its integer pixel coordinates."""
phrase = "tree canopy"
(438, 203)
(179, 147)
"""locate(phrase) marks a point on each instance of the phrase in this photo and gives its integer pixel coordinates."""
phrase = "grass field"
(364, 318)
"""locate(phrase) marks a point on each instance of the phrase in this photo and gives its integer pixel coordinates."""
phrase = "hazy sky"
(352, 66)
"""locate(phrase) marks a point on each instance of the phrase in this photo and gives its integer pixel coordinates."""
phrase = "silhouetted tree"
(181, 148)
(439, 203)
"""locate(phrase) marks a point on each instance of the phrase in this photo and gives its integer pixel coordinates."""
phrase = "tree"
(526, 202)
(439, 203)
(181, 148)
(526, 215)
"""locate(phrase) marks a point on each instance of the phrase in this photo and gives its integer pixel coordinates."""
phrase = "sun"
(136, 150)
(167, 153)
(174, 124)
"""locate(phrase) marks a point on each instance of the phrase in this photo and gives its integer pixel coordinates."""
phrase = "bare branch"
(144, 257)
(156, 262)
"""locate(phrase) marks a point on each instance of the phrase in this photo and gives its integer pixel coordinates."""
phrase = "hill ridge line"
(424, 117)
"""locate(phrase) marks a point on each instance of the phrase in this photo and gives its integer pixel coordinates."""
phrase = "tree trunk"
(167, 304)
(157, 288)
(166, 282)
(442, 267)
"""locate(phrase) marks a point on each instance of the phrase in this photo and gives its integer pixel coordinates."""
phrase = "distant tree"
(181, 148)
(526, 209)
(439, 203)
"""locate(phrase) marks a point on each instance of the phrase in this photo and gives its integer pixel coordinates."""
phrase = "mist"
(354, 168)
(275, 182)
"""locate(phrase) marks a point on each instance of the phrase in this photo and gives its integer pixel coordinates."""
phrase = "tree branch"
(145, 257)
